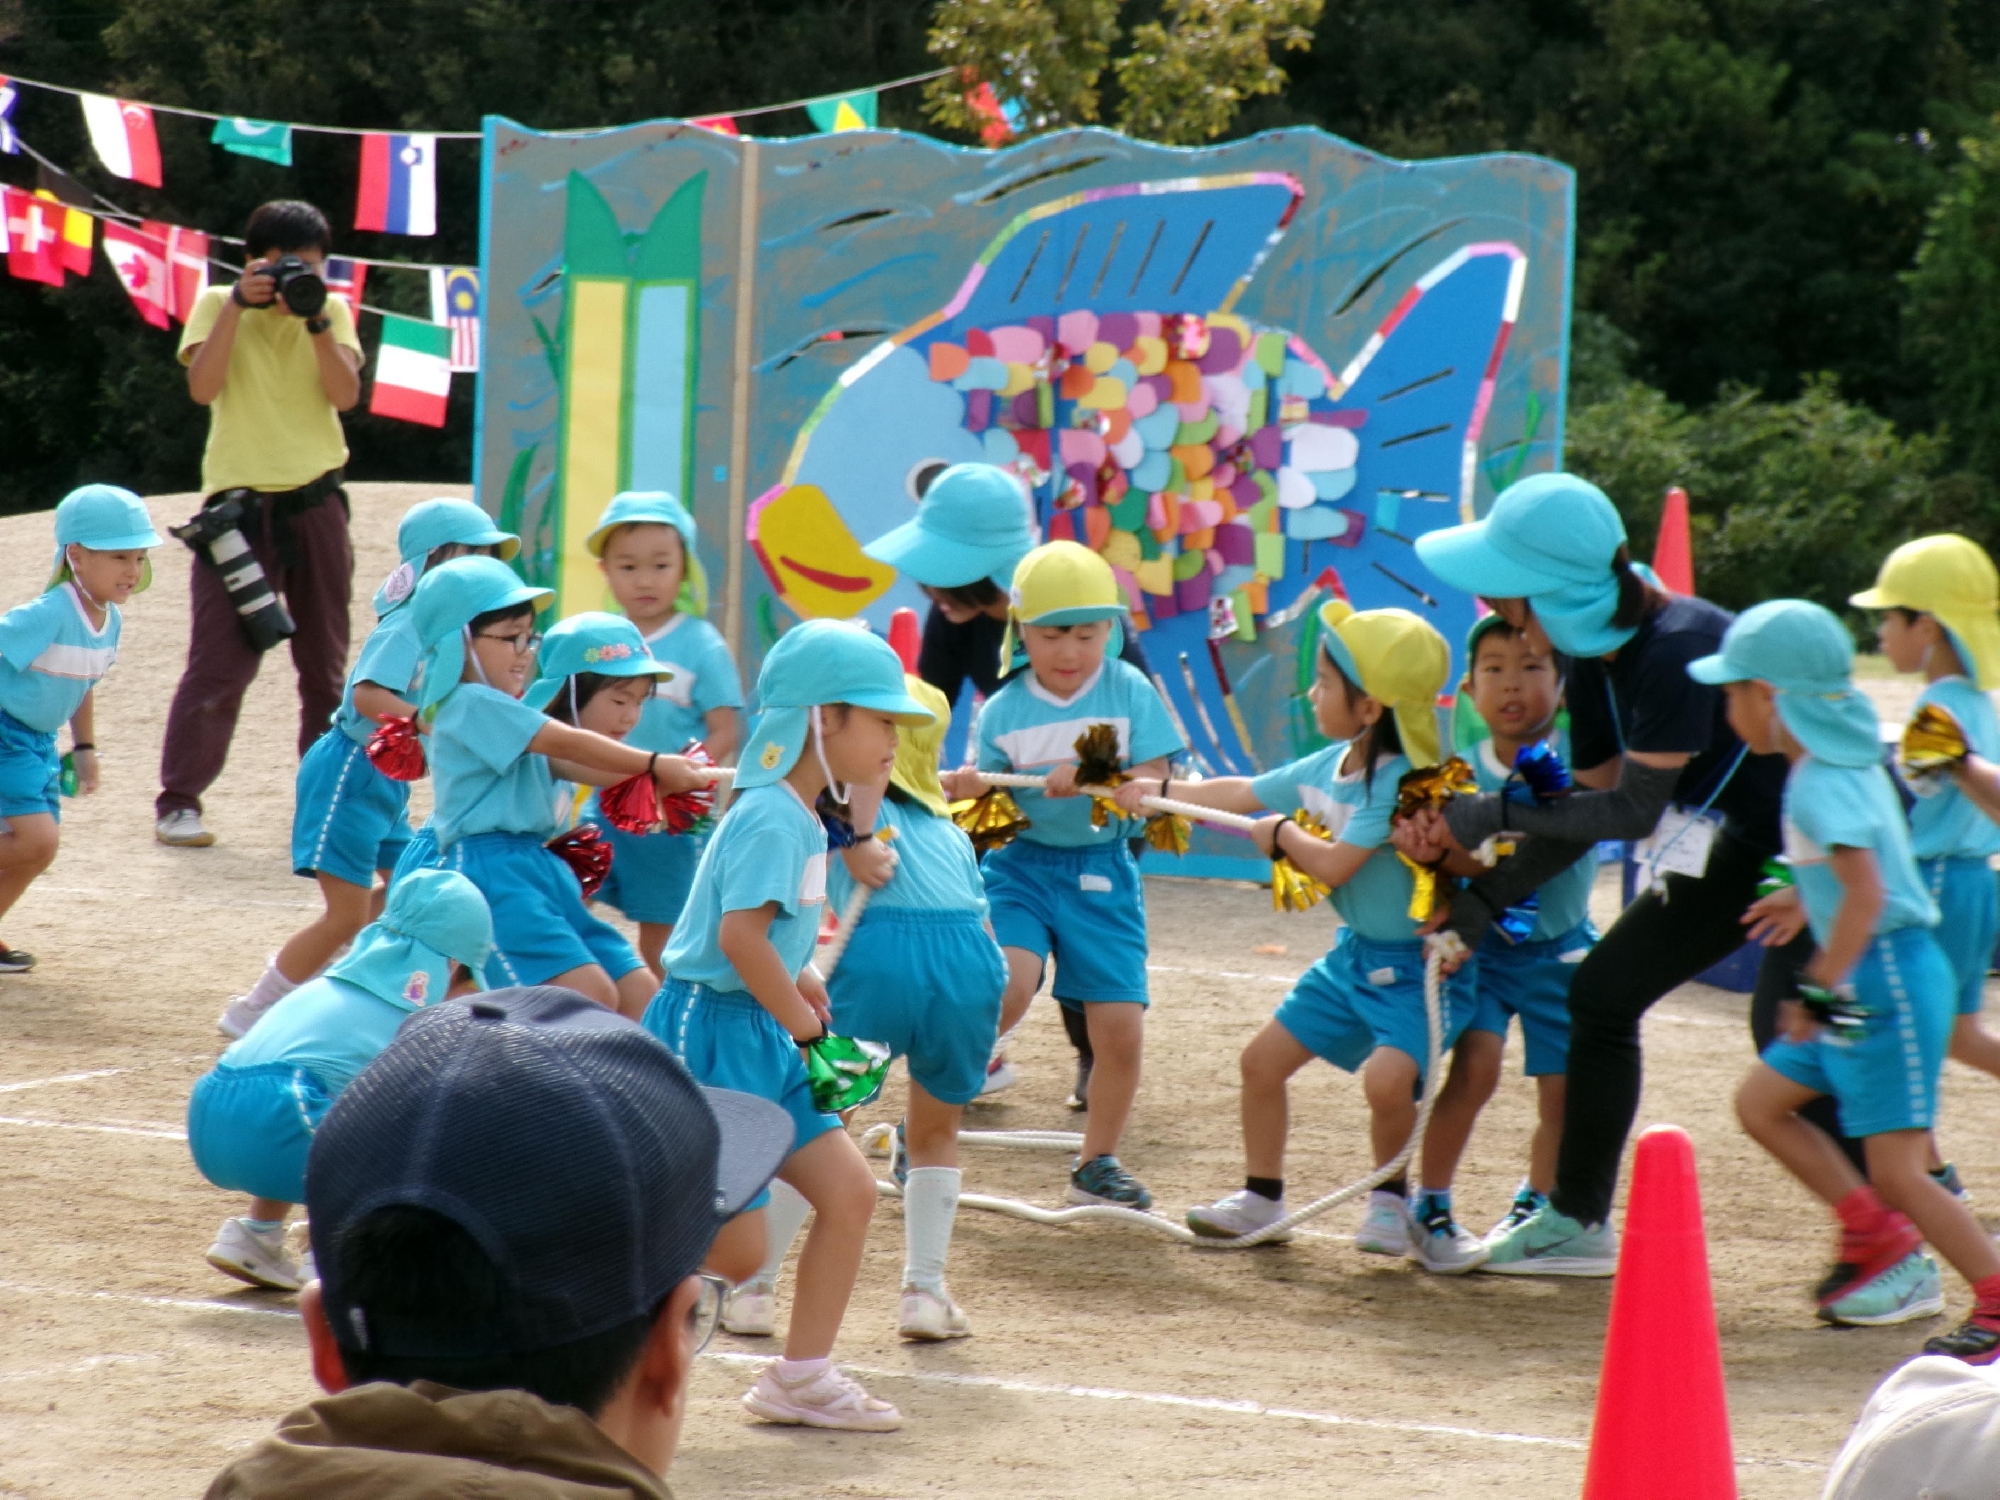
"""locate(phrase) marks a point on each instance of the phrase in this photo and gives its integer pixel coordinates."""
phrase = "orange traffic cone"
(1662, 1428)
(1673, 552)
(905, 637)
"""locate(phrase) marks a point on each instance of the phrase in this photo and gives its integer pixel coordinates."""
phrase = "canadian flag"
(122, 135)
(187, 264)
(34, 237)
(141, 263)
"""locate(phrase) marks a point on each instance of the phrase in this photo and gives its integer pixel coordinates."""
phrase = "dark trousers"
(1659, 942)
(222, 663)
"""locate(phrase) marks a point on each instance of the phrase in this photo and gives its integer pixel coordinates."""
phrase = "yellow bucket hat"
(918, 747)
(1949, 577)
(1396, 658)
(1061, 583)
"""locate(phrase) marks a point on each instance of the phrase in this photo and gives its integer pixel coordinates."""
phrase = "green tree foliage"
(1954, 311)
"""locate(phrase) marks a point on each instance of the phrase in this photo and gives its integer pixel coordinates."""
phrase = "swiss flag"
(187, 264)
(34, 237)
(122, 135)
(141, 263)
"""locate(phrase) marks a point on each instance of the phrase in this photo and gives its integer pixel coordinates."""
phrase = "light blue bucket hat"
(104, 518)
(609, 645)
(972, 523)
(816, 663)
(434, 919)
(657, 508)
(429, 525)
(445, 604)
(1805, 653)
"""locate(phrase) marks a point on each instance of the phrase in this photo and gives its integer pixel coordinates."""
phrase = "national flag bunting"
(344, 280)
(267, 140)
(455, 303)
(412, 371)
(140, 259)
(34, 235)
(997, 123)
(187, 264)
(122, 135)
(10, 143)
(76, 233)
(720, 124)
(854, 111)
(398, 184)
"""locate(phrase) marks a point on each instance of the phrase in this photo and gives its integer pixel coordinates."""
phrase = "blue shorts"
(927, 984)
(651, 874)
(541, 928)
(251, 1128)
(1531, 980)
(729, 1041)
(348, 819)
(1085, 906)
(1365, 994)
(30, 770)
(1886, 1078)
(1967, 893)
(421, 853)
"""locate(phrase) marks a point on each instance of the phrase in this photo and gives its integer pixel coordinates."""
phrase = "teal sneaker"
(1547, 1243)
(1103, 1180)
(1906, 1291)
(1947, 1178)
(1524, 1207)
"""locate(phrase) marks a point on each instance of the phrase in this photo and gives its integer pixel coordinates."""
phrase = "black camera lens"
(300, 287)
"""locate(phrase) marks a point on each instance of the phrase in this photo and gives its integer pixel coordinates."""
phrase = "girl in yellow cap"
(1361, 1007)
(1940, 603)
(1068, 888)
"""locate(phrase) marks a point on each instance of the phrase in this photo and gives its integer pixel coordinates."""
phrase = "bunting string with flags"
(10, 95)
(122, 135)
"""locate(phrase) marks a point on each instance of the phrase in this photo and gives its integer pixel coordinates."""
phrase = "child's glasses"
(524, 645)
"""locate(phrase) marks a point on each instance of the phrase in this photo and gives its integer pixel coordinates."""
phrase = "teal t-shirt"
(51, 657)
(328, 1025)
(936, 869)
(388, 659)
(1851, 807)
(1945, 823)
(484, 779)
(769, 847)
(1563, 900)
(1025, 727)
(1375, 901)
(704, 679)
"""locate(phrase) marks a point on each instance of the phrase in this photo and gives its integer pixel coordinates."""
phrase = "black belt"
(286, 505)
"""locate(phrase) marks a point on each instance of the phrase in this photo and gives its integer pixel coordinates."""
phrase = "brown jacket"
(429, 1442)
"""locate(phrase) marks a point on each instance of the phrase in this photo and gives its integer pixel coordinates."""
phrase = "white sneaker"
(828, 1399)
(1385, 1229)
(751, 1310)
(1242, 1212)
(1000, 1075)
(260, 1259)
(931, 1316)
(1440, 1245)
(239, 1017)
(183, 829)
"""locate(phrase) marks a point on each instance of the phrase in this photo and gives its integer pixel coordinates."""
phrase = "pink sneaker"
(828, 1399)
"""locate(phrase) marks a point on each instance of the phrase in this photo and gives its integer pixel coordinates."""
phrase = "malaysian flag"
(455, 301)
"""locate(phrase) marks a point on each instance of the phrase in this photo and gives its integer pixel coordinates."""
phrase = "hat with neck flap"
(450, 597)
(1397, 659)
(1951, 579)
(1061, 583)
(816, 663)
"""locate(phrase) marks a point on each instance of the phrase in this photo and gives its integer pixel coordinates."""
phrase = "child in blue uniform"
(251, 1120)
(52, 652)
(494, 763)
(1524, 965)
(644, 542)
(1940, 599)
(1881, 988)
(593, 671)
(741, 998)
(1066, 889)
(1361, 1007)
(349, 821)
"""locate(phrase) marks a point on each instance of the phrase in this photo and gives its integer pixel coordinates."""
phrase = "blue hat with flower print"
(608, 645)
(1804, 652)
(814, 663)
(104, 518)
(444, 605)
(429, 525)
(434, 919)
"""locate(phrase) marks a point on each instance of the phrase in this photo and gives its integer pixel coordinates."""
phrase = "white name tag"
(1381, 977)
(812, 885)
(1093, 883)
(1680, 845)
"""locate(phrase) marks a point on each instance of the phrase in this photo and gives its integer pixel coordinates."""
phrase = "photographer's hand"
(256, 288)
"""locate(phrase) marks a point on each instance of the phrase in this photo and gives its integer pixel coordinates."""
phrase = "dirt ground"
(1103, 1359)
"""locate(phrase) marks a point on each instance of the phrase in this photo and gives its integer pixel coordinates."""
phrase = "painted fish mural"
(1218, 464)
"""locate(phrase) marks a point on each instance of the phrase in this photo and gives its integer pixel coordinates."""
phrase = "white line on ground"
(30, 1289)
(82, 1366)
(93, 893)
(33, 1122)
(42, 1083)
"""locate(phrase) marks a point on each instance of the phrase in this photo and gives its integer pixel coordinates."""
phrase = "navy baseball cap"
(572, 1146)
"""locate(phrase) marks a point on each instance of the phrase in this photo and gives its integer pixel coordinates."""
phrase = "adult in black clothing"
(1652, 750)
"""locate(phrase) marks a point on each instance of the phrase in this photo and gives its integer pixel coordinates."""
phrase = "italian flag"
(412, 371)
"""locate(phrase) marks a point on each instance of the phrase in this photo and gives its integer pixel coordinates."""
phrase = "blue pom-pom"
(1518, 920)
(1542, 771)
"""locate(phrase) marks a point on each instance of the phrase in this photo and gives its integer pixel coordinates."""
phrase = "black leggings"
(1659, 942)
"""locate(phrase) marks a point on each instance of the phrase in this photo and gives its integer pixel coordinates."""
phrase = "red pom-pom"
(632, 806)
(687, 812)
(397, 750)
(588, 854)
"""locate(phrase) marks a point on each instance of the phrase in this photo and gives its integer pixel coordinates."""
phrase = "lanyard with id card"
(1683, 839)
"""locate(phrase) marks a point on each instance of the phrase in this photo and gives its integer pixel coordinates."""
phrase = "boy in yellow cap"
(1940, 603)
(1361, 1007)
(1067, 888)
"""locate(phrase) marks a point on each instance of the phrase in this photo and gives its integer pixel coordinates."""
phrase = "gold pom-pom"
(1168, 833)
(1933, 742)
(1431, 787)
(991, 820)
(1292, 889)
(1098, 762)
(1424, 885)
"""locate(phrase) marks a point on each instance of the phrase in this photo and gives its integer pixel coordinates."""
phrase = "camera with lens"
(216, 532)
(299, 286)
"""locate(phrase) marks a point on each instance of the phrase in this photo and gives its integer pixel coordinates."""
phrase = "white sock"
(930, 1208)
(270, 988)
(799, 1371)
(783, 1219)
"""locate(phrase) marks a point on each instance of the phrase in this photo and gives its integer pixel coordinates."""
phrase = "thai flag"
(344, 279)
(398, 184)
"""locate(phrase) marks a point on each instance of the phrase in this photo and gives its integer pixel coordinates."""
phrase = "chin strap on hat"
(843, 794)
(472, 655)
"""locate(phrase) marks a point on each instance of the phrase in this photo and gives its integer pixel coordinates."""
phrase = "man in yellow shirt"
(274, 382)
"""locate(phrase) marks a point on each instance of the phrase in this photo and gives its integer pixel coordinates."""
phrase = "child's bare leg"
(1388, 1080)
(832, 1176)
(636, 989)
(652, 943)
(590, 981)
(1897, 1166)
(28, 844)
(1117, 1039)
(378, 897)
(1024, 977)
(930, 1129)
(267, 1209)
(349, 908)
(1475, 1073)
(1550, 1092)
(1975, 1046)
(738, 1248)
(1767, 1104)
(1268, 1063)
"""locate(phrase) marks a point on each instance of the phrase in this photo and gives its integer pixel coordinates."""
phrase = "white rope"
(876, 1138)
(828, 957)
(1435, 949)
(1155, 804)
